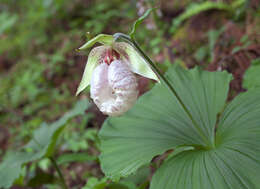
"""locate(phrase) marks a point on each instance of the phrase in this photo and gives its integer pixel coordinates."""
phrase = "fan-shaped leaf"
(158, 122)
(214, 169)
(233, 164)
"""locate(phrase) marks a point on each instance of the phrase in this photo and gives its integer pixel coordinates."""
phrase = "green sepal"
(101, 38)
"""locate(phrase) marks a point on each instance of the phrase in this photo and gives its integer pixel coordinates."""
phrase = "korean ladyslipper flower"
(110, 72)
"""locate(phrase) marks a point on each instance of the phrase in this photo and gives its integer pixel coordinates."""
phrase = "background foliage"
(40, 71)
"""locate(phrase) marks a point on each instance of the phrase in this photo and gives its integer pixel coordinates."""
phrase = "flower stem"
(59, 172)
(152, 64)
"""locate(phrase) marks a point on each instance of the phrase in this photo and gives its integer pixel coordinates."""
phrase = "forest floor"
(40, 69)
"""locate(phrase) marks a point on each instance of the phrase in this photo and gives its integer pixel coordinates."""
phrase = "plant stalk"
(59, 172)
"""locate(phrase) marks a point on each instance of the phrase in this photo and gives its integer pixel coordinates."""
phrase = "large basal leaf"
(158, 122)
(41, 145)
(233, 164)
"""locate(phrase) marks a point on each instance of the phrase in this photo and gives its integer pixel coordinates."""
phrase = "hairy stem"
(59, 172)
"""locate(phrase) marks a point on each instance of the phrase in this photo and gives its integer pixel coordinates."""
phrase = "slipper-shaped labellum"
(113, 88)
(110, 72)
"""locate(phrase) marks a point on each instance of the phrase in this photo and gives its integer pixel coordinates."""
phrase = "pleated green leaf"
(214, 169)
(233, 164)
(158, 122)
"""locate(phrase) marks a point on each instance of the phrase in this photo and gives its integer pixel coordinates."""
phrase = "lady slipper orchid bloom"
(110, 72)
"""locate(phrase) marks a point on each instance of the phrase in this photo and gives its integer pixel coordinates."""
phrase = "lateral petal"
(95, 58)
(138, 64)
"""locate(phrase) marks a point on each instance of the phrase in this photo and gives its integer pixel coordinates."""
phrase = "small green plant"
(245, 43)
(251, 78)
(196, 8)
(41, 145)
(208, 50)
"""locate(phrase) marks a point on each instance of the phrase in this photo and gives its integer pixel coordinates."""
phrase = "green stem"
(152, 64)
(59, 172)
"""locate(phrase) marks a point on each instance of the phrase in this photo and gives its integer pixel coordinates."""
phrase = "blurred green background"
(40, 68)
